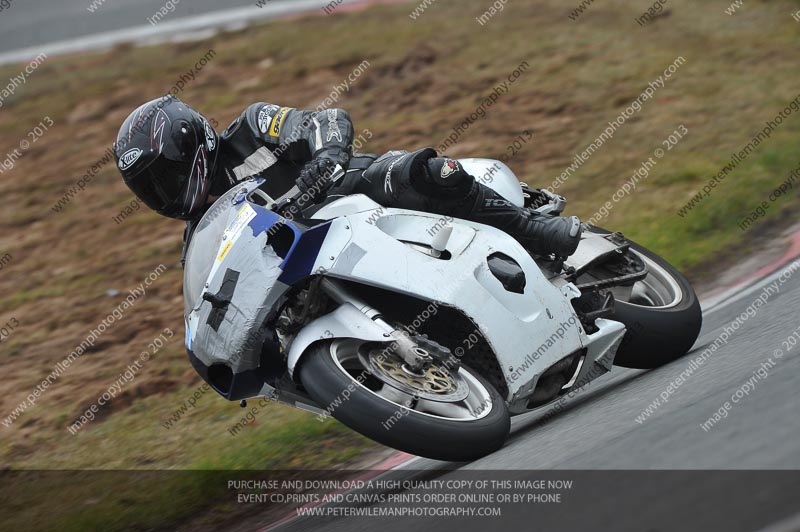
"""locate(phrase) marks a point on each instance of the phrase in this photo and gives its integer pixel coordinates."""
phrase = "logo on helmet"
(129, 158)
(449, 168)
(211, 136)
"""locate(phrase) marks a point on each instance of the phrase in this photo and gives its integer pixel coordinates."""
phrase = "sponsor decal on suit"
(387, 185)
(277, 122)
(211, 136)
(265, 116)
(333, 126)
(449, 168)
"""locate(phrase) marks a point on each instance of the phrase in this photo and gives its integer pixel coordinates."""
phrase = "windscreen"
(205, 244)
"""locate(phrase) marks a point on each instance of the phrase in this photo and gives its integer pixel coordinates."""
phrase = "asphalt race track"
(37, 22)
(597, 430)
(30, 27)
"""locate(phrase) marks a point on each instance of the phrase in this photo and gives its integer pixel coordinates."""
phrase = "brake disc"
(436, 382)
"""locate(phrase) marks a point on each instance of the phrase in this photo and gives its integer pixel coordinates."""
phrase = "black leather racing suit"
(276, 142)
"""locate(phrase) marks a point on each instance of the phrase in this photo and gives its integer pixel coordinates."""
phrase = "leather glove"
(315, 177)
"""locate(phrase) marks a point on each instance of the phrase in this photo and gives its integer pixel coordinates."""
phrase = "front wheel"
(436, 413)
(661, 312)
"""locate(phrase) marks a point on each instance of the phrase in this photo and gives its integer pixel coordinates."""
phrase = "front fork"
(412, 354)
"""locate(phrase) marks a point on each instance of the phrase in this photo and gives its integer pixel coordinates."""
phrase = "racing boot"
(465, 198)
(542, 234)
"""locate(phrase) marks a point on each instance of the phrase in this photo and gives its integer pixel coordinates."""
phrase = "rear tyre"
(662, 314)
(453, 431)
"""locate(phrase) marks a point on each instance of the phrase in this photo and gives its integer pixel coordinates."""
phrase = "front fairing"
(232, 281)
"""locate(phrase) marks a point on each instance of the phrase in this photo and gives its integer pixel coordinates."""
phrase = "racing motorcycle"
(422, 332)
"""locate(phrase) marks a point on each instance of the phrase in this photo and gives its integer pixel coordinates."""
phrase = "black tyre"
(662, 314)
(333, 373)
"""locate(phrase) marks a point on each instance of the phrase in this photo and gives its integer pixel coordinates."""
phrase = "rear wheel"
(662, 314)
(438, 413)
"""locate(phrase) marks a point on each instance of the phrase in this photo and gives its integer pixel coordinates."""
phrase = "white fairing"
(497, 176)
(347, 205)
(235, 280)
(528, 332)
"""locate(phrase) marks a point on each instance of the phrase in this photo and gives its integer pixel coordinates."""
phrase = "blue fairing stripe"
(302, 255)
(300, 260)
(265, 219)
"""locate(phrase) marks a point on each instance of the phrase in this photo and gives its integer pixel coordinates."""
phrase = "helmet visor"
(159, 189)
(194, 183)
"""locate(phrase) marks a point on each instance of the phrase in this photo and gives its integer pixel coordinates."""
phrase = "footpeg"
(605, 311)
(592, 306)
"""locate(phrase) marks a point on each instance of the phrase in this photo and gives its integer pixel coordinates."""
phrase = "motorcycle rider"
(177, 164)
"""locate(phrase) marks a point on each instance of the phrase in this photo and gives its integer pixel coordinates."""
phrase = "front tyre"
(457, 429)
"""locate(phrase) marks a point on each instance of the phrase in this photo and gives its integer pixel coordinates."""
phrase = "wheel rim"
(659, 290)
(476, 405)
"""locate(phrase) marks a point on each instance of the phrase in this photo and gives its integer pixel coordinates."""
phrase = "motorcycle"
(422, 332)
